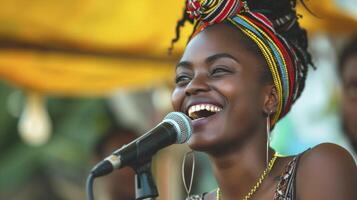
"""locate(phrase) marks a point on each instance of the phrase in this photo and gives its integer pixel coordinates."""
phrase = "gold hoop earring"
(188, 189)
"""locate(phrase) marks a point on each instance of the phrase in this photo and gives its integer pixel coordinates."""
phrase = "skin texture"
(217, 67)
(327, 172)
(349, 98)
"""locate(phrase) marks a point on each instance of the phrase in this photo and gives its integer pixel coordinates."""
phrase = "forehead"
(219, 38)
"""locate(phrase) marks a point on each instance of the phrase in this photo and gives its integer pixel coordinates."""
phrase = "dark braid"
(180, 23)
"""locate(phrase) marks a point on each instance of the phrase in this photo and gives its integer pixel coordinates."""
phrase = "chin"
(196, 143)
(203, 144)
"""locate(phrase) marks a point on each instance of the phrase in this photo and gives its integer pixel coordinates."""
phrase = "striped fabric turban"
(285, 67)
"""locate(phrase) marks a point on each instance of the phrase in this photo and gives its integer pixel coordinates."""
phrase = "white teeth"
(196, 108)
(214, 109)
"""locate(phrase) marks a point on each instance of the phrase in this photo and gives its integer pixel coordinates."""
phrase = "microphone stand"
(145, 187)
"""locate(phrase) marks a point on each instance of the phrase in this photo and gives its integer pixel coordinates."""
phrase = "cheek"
(177, 97)
(245, 104)
(243, 97)
(349, 108)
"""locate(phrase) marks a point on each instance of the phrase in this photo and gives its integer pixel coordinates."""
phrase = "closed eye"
(182, 79)
(220, 70)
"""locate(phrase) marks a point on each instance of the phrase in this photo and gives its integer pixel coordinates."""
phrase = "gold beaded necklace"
(259, 182)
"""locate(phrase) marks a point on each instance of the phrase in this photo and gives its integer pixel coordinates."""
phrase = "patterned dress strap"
(286, 188)
(195, 197)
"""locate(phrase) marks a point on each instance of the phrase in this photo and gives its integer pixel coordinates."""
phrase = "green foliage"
(77, 123)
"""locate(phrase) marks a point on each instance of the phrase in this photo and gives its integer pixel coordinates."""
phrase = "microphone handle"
(139, 151)
(142, 149)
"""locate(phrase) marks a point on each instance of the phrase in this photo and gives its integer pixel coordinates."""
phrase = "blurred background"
(76, 74)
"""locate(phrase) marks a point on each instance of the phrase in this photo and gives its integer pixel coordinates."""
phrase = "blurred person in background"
(243, 68)
(120, 185)
(348, 73)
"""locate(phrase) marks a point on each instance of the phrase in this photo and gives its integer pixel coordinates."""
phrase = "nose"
(199, 83)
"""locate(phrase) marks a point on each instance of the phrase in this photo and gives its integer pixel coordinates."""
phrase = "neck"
(238, 169)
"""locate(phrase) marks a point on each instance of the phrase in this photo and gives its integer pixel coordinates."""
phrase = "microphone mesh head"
(182, 124)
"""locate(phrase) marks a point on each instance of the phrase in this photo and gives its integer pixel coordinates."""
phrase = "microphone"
(175, 128)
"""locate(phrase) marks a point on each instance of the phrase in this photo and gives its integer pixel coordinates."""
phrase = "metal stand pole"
(145, 187)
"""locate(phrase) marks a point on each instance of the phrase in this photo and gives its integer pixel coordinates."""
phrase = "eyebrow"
(209, 59)
(214, 57)
(184, 64)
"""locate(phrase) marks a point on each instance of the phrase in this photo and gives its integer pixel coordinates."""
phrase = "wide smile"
(199, 111)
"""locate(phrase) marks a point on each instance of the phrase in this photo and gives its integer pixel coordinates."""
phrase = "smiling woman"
(244, 66)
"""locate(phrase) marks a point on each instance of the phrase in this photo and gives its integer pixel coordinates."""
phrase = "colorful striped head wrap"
(286, 68)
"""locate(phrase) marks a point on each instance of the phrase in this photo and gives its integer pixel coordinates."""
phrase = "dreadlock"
(180, 23)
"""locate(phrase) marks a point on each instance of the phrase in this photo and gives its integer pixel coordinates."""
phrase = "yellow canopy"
(329, 18)
(92, 47)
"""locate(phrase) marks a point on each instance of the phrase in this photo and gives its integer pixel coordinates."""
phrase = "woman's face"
(218, 86)
(349, 103)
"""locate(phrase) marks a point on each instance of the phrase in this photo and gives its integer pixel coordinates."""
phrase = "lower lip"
(196, 123)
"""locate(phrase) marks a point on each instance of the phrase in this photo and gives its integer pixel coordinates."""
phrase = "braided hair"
(276, 23)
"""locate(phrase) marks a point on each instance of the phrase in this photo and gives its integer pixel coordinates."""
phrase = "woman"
(243, 68)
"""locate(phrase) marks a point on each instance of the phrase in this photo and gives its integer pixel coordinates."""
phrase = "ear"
(271, 100)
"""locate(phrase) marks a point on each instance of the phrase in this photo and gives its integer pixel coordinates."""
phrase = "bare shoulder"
(328, 153)
(327, 171)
